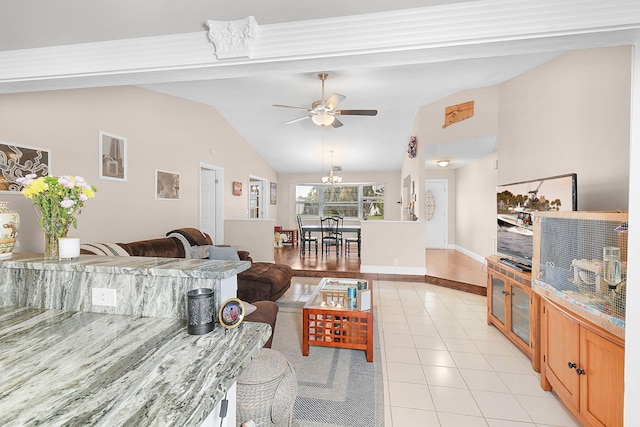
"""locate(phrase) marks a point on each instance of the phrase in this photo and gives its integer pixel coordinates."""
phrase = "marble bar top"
(79, 368)
(144, 286)
(136, 265)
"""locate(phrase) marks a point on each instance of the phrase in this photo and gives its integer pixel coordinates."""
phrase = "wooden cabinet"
(512, 308)
(584, 365)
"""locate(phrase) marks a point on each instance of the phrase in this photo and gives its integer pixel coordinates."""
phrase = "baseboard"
(470, 254)
(380, 269)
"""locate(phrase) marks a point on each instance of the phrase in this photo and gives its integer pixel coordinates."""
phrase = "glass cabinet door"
(497, 298)
(520, 314)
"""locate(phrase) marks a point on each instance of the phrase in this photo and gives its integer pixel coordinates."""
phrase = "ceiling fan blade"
(296, 120)
(336, 123)
(291, 106)
(333, 101)
(357, 112)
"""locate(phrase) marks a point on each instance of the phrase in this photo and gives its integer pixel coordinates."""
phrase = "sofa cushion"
(168, 247)
(264, 281)
(224, 253)
(265, 312)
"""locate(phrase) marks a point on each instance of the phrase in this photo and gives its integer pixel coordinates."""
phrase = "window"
(363, 201)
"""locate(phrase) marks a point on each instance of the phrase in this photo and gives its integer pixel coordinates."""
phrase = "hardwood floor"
(445, 267)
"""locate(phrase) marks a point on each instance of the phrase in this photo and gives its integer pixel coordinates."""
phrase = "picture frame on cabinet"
(167, 185)
(112, 157)
(21, 160)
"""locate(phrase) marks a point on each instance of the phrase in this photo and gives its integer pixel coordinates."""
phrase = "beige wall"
(163, 132)
(476, 217)
(253, 235)
(391, 247)
(571, 115)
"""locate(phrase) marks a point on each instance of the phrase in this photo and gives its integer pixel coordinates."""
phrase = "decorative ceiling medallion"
(233, 39)
(457, 113)
(430, 205)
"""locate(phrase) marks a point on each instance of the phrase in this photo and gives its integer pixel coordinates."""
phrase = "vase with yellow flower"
(58, 201)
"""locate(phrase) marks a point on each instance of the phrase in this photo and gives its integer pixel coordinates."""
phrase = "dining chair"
(329, 228)
(348, 241)
(305, 240)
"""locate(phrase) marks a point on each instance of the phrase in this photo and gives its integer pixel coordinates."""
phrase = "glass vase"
(53, 229)
(51, 245)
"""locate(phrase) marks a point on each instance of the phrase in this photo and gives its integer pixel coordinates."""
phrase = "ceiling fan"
(323, 112)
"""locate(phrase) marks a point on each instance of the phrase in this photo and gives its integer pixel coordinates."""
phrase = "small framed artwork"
(231, 313)
(18, 161)
(167, 185)
(273, 193)
(237, 188)
(113, 156)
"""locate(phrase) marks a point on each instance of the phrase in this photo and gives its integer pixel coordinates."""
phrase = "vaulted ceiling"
(389, 56)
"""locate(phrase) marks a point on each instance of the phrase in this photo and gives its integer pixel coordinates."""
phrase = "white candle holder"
(68, 248)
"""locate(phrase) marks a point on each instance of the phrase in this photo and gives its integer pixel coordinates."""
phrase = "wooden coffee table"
(331, 319)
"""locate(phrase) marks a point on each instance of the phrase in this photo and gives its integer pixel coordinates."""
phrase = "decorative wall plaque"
(457, 113)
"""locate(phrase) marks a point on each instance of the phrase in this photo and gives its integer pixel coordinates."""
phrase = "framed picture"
(237, 188)
(167, 185)
(231, 313)
(273, 193)
(19, 160)
(113, 156)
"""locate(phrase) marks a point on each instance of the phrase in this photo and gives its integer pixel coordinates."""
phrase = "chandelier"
(331, 179)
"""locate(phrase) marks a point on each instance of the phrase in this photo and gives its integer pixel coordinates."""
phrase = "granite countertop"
(154, 266)
(78, 368)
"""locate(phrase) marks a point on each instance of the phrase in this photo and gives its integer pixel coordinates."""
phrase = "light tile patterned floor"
(444, 366)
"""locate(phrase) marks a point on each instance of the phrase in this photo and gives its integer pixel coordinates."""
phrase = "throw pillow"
(224, 253)
(201, 252)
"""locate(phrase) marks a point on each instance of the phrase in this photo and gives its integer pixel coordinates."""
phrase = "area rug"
(336, 387)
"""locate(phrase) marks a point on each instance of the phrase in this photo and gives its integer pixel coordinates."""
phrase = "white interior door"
(436, 200)
(212, 202)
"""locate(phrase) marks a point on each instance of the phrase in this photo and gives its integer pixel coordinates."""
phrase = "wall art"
(18, 160)
(167, 185)
(113, 156)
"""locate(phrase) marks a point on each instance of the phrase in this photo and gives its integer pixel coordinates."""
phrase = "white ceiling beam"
(439, 33)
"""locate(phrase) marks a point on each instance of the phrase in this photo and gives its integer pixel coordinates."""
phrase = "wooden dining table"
(308, 229)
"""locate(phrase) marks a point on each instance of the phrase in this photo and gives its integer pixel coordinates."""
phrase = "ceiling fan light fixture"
(323, 119)
(443, 163)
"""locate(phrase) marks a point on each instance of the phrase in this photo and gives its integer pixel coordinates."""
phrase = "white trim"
(380, 269)
(632, 335)
(470, 254)
(421, 35)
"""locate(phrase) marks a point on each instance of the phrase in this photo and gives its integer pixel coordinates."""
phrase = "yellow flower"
(36, 187)
(88, 191)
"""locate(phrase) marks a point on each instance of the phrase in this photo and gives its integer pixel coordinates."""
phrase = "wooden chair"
(329, 228)
(304, 239)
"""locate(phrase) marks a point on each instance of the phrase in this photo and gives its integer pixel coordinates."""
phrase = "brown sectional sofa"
(263, 281)
(260, 285)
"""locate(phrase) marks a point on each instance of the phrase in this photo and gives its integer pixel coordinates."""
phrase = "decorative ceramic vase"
(9, 225)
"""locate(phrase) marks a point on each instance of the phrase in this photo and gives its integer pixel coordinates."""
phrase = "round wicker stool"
(267, 389)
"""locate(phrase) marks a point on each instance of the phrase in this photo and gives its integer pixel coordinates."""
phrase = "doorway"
(212, 202)
(436, 213)
(257, 197)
